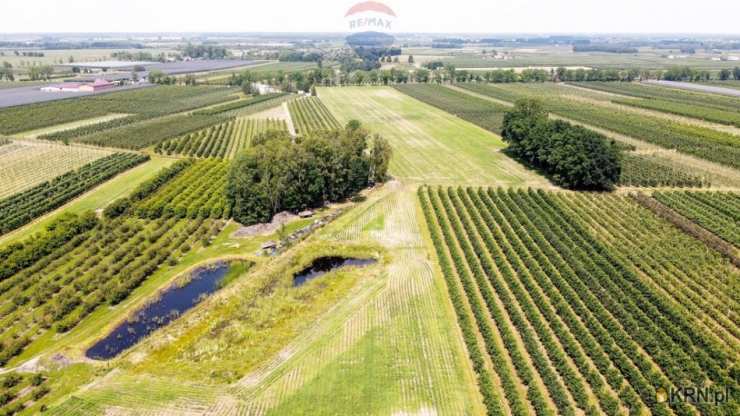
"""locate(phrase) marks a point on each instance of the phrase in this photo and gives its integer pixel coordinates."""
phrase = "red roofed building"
(98, 85)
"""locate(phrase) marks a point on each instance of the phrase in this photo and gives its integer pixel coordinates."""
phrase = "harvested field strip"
(717, 212)
(539, 241)
(27, 163)
(430, 145)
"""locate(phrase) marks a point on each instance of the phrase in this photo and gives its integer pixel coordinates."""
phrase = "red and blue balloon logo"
(370, 16)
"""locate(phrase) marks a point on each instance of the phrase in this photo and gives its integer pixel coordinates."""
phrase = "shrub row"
(22, 208)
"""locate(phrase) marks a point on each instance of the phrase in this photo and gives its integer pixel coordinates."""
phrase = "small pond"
(324, 265)
(170, 305)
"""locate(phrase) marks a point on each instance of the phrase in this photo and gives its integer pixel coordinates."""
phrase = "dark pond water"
(171, 304)
(324, 265)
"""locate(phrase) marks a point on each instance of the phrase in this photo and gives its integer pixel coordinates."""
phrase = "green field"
(493, 291)
(27, 163)
(389, 330)
(554, 56)
(431, 146)
(95, 199)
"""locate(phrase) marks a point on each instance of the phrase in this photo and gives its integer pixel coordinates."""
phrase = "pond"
(172, 303)
(324, 265)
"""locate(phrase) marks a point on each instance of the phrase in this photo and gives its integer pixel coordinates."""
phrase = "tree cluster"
(299, 56)
(604, 48)
(573, 156)
(278, 173)
(6, 71)
(205, 51)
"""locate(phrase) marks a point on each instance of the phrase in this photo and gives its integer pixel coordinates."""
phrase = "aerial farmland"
(363, 220)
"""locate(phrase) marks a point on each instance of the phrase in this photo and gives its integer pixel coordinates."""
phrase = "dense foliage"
(198, 191)
(18, 256)
(710, 107)
(718, 212)
(154, 101)
(309, 114)
(484, 113)
(223, 141)
(278, 174)
(20, 390)
(151, 132)
(67, 134)
(573, 156)
(22, 208)
(556, 274)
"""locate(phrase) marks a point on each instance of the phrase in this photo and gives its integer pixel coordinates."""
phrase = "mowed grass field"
(430, 146)
(384, 340)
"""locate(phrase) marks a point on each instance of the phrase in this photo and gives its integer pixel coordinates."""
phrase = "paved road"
(10, 97)
(697, 87)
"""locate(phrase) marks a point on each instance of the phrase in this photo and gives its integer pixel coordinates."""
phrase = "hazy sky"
(489, 16)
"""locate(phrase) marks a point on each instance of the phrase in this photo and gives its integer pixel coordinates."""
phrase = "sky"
(459, 16)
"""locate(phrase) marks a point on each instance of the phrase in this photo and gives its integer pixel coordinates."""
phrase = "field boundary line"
(689, 227)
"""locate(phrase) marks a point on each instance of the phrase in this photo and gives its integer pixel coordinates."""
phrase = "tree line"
(279, 173)
(572, 156)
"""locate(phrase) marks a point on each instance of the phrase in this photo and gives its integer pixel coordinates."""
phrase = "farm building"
(95, 86)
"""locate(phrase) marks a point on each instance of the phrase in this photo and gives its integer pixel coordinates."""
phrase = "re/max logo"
(694, 395)
(370, 22)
